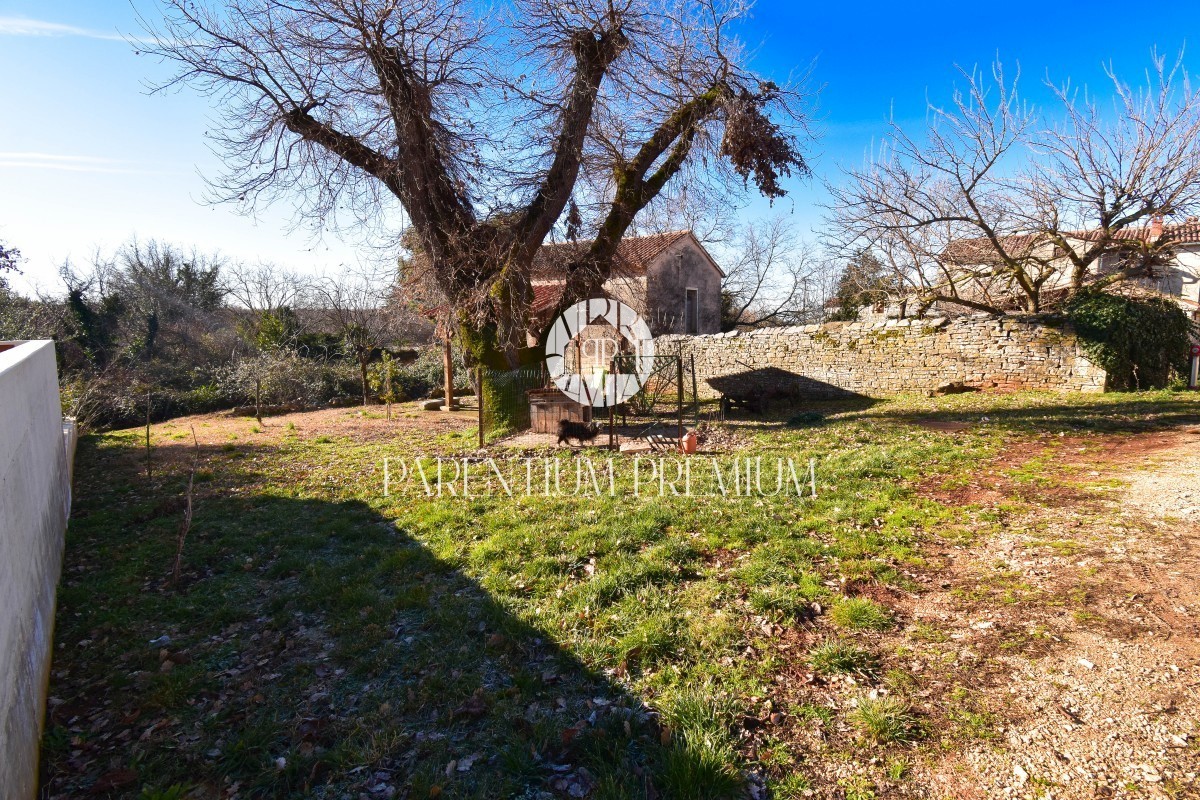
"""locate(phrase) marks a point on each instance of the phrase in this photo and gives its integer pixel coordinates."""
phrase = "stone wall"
(35, 498)
(881, 358)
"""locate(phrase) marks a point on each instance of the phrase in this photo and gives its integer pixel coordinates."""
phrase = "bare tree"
(355, 305)
(996, 205)
(771, 277)
(264, 287)
(491, 129)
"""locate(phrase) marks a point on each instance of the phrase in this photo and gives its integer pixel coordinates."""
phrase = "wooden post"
(387, 386)
(149, 470)
(258, 400)
(448, 372)
(695, 394)
(479, 400)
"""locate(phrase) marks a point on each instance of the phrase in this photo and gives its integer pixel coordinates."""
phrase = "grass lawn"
(327, 641)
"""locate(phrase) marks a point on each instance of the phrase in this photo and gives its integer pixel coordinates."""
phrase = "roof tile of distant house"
(980, 251)
(1176, 232)
(546, 296)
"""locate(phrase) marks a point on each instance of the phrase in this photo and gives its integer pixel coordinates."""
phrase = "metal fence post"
(679, 377)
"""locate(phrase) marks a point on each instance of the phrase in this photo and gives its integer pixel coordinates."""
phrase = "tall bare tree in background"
(169, 291)
(996, 203)
(264, 287)
(490, 127)
(356, 305)
(771, 277)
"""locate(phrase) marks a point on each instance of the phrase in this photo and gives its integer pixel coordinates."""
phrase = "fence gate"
(666, 405)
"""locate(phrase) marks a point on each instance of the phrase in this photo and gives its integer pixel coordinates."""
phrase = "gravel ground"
(1111, 708)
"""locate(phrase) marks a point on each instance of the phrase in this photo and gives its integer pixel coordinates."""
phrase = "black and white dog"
(570, 429)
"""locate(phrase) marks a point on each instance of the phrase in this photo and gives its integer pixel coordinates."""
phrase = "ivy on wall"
(1140, 342)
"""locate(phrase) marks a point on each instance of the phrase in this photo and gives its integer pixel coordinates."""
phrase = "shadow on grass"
(762, 389)
(316, 648)
(1107, 413)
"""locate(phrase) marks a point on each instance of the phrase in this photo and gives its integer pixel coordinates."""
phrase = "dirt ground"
(1086, 610)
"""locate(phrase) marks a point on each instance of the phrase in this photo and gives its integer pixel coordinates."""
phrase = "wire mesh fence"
(504, 399)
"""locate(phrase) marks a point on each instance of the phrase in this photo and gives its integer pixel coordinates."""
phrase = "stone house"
(1178, 278)
(669, 279)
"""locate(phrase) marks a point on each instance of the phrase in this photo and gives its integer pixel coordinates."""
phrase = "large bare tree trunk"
(352, 102)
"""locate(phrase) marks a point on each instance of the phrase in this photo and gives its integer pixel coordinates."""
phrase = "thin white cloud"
(21, 26)
(53, 157)
(67, 163)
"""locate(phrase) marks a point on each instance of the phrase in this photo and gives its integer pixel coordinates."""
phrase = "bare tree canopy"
(491, 126)
(771, 277)
(264, 287)
(998, 205)
(357, 305)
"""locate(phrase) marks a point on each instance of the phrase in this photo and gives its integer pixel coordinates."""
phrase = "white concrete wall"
(35, 499)
(1184, 275)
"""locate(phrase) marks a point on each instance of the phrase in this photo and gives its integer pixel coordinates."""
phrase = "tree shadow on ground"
(762, 389)
(314, 647)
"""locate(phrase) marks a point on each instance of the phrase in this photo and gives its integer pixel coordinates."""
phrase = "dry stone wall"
(881, 358)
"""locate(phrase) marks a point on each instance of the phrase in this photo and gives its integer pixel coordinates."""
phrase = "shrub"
(286, 378)
(422, 377)
(1137, 341)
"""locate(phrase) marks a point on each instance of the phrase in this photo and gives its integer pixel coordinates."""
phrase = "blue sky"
(87, 159)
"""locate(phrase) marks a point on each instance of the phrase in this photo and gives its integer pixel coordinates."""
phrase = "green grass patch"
(861, 614)
(836, 657)
(885, 720)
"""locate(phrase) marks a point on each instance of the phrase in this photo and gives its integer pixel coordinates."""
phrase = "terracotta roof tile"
(546, 297)
(1176, 232)
(634, 254)
(980, 251)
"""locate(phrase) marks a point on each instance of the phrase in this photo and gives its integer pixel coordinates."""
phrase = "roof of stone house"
(980, 250)
(634, 255)
(1187, 232)
(546, 296)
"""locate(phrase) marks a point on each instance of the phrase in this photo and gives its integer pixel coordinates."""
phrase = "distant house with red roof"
(1177, 278)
